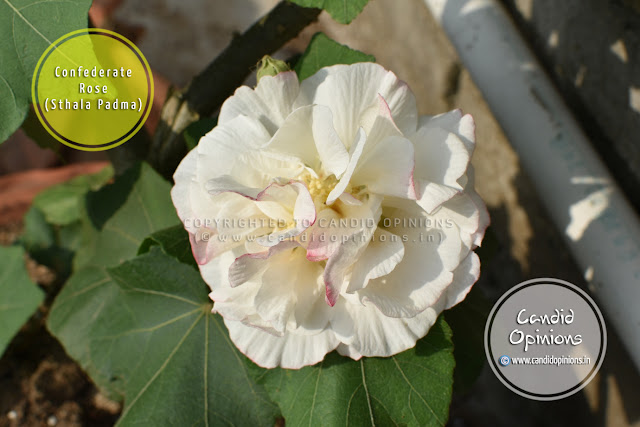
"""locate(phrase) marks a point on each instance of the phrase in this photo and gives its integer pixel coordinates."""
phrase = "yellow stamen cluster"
(319, 187)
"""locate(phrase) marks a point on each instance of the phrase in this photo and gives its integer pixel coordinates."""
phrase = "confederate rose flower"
(325, 214)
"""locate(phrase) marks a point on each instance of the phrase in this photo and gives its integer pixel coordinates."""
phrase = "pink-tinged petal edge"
(385, 110)
(240, 265)
(199, 249)
(305, 221)
(205, 250)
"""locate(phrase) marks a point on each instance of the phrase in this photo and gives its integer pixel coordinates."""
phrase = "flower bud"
(269, 66)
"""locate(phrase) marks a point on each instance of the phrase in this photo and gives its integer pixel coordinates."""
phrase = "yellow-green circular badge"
(92, 89)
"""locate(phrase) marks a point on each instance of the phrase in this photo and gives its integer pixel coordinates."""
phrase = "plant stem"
(209, 89)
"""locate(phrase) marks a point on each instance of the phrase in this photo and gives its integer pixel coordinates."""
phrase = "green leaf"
(19, 296)
(32, 126)
(61, 204)
(342, 11)
(50, 245)
(467, 320)
(323, 52)
(197, 130)
(54, 225)
(38, 234)
(143, 204)
(412, 388)
(27, 29)
(154, 340)
(173, 241)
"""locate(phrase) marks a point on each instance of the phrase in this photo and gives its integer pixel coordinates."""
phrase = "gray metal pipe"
(597, 222)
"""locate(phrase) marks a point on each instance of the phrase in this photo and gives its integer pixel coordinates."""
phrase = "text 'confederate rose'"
(325, 214)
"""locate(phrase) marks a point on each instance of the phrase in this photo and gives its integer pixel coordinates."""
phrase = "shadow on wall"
(180, 37)
(591, 50)
(610, 400)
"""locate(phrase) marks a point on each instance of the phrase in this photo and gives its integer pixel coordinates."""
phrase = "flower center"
(319, 187)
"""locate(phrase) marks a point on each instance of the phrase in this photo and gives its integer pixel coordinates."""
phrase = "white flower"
(327, 215)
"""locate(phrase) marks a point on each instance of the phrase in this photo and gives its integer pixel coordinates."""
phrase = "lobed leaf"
(324, 52)
(156, 343)
(141, 326)
(27, 29)
(124, 213)
(55, 225)
(117, 232)
(342, 11)
(173, 241)
(19, 296)
(412, 388)
(61, 204)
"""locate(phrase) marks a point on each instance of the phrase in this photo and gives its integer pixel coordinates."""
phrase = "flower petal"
(381, 256)
(431, 253)
(329, 231)
(432, 195)
(227, 183)
(248, 266)
(350, 246)
(388, 168)
(270, 103)
(454, 121)
(216, 274)
(464, 278)
(288, 278)
(186, 183)
(354, 154)
(465, 215)
(444, 145)
(379, 125)
(295, 199)
(284, 291)
(441, 156)
(347, 252)
(308, 133)
(350, 90)
(198, 211)
(206, 244)
(222, 148)
(484, 220)
(290, 351)
(278, 205)
(365, 331)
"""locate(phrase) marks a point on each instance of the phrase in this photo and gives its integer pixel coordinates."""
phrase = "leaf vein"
(242, 365)
(349, 402)
(149, 329)
(85, 290)
(163, 294)
(416, 392)
(17, 12)
(315, 393)
(366, 393)
(161, 369)
(13, 95)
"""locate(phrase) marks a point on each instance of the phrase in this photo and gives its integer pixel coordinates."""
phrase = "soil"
(39, 384)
